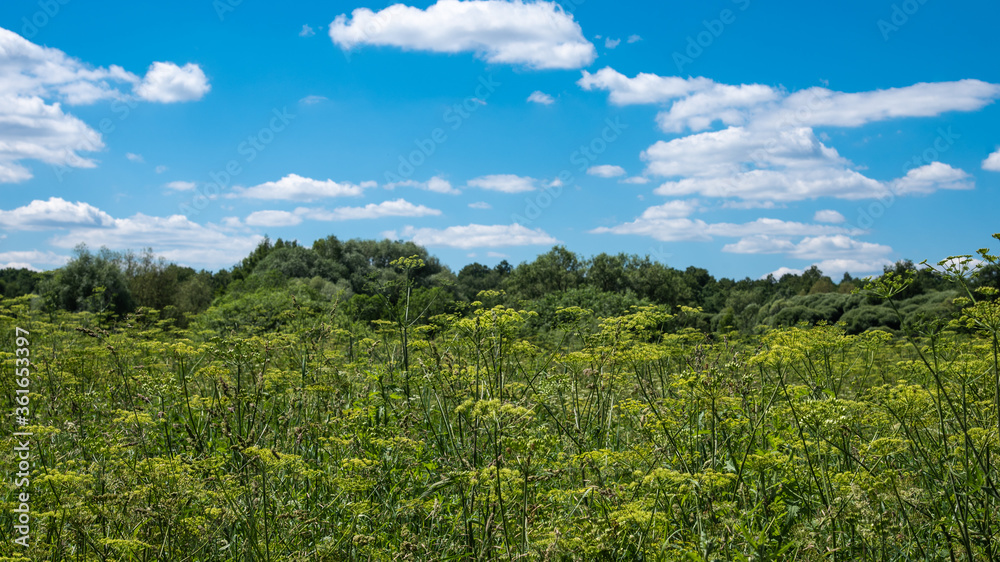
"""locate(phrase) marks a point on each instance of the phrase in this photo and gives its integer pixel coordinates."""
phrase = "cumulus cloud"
(480, 205)
(294, 187)
(273, 218)
(307, 31)
(35, 83)
(992, 162)
(31, 259)
(782, 271)
(436, 184)
(671, 222)
(697, 102)
(537, 34)
(611, 43)
(54, 213)
(636, 180)
(644, 88)
(181, 185)
(606, 171)
(176, 238)
(165, 82)
(474, 236)
(634, 38)
(765, 147)
(930, 178)
(33, 129)
(395, 208)
(778, 165)
(829, 215)
(132, 157)
(823, 247)
(541, 97)
(506, 183)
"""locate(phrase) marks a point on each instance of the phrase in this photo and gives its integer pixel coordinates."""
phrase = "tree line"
(364, 277)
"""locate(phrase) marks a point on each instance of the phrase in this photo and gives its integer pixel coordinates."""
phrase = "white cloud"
(307, 31)
(165, 82)
(176, 238)
(992, 162)
(437, 184)
(823, 107)
(31, 259)
(506, 183)
(474, 236)
(634, 38)
(777, 165)
(838, 246)
(134, 157)
(606, 171)
(835, 268)
(496, 255)
(644, 88)
(929, 178)
(669, 222)
(181, 185)
(161, 169)
(782, 271)
(294, 187)
(35, 82)
(537, 34)
(395, 208)
(829, 215)
(33, 129)
(313, 100)
(760, 244)
(480, 205)
(700, 101)
(30, 70)
(768, 149)
(637, 180)
(823, 247)
(541, 97)
(54, 213)
(744, 205)
(273, 218)
(718, 102)
(611, 43)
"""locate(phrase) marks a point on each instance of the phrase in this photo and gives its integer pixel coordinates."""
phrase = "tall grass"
(472, 438)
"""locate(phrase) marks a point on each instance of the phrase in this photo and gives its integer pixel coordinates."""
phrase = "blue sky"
(737, 135)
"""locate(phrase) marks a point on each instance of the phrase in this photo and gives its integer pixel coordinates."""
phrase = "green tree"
(90, 282)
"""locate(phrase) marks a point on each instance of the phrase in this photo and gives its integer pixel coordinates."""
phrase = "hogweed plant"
(472, 435)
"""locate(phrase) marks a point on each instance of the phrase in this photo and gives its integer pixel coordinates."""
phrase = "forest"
(358, 400)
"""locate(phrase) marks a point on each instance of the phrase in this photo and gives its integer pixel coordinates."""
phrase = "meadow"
(482, 434)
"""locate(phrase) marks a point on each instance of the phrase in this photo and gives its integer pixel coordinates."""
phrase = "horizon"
(740, 138)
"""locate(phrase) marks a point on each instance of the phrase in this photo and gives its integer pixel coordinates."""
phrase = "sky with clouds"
(740, 136)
